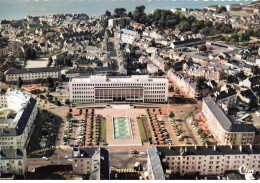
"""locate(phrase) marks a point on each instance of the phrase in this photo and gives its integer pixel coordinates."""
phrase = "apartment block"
(32, 74)
(226, 130)
(91, 162)
(202, 160)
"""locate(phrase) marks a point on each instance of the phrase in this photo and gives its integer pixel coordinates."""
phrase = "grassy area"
(103, 129)
(141, 129)
(147, 128)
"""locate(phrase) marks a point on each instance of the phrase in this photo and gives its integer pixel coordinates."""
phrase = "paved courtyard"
(41, 62)
(122, 111)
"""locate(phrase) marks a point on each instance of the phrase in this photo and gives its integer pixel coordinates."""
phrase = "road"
(124, 160)
(58, 158)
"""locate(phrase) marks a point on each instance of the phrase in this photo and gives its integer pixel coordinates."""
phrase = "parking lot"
(74, 133)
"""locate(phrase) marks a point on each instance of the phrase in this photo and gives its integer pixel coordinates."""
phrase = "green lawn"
(141, 129)
(103, 129)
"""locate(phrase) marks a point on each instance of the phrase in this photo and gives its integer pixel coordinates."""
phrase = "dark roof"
(33, 70)
(187, 41)
(11, 154)
(85, 152)
(214, 83)
(255, 80)
(224, 94)
(3, 90)
(225, 122)
(22, 121)
(247, 93)
(234, 176)
(256, 89)
(104, 164)
(204, 150)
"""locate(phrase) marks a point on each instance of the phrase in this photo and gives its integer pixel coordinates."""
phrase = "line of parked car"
(195, 128)
(81, 133)
(174, 129)
(67, 136)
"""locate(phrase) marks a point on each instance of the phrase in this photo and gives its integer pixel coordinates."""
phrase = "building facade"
(206, 160)
(14, 132)
(129, 36)
(102, 89)
(184, 84)
(13, 161)
(2, 97)
(91, 162)
(223, 129)
(32, 74)
(16, 122)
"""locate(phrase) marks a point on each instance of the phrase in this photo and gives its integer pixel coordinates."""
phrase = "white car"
(143, 153)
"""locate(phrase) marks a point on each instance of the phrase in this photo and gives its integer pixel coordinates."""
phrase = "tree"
(68, 116)
(184, 26)
(58, 103)
(50, 62)
(203, 48)
(67, 101)
(50, 82)
(108, 13)
(119, 12)
(3, 78)
(171, 115)
(191, 114)
(209, 24)
(191, 19)
(19, 82)
(200, 131)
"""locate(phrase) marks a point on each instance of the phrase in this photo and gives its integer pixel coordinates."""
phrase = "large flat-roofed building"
(105, 89)
(202, 160)
(32, 74)
(225, 130)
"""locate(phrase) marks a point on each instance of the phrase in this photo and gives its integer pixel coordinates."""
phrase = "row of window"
(121, 84)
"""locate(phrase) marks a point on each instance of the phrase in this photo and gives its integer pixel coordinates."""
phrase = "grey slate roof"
(156, 164)
(223, 119)
(33, 70)
(22, 121)
(203, 150)
(84, 152)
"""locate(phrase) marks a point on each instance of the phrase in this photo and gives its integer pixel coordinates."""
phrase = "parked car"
(143, 153)
(134, 152)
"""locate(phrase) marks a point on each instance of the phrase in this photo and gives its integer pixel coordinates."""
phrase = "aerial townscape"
(166, 95)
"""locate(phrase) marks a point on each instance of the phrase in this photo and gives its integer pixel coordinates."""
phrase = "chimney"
(195, 146)
(215, 147)
(230, 146)
(185, 149)
(251, 147)
(206, 145)
(169, 147)
(240, 148)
